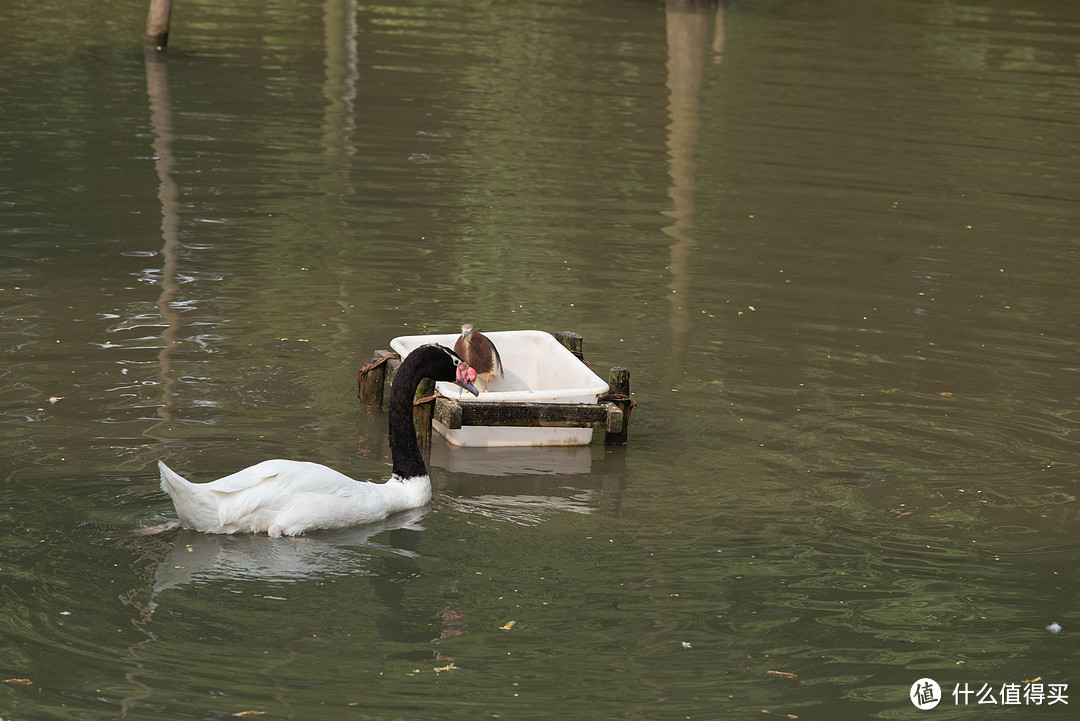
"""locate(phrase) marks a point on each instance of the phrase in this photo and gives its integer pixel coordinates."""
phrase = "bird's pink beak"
(466, 374)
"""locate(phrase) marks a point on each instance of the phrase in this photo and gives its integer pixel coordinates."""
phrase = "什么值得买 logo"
(926, 694)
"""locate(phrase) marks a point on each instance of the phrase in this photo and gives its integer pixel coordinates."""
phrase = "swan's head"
(450, 367)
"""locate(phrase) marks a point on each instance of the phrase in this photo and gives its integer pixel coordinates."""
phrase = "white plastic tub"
(536, 369)
(516, 461)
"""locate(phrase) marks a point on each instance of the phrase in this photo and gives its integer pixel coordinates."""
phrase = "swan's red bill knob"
(465, 377)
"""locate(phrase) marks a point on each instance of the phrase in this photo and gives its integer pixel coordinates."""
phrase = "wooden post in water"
(372, 378)
(572, 341)
(619, 394)
(157, 25)
(423, 411)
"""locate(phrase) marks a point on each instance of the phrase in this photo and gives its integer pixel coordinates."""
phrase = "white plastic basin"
(516, 461)
(536, 369)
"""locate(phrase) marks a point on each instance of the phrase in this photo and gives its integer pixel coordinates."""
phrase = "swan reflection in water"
(207, 557)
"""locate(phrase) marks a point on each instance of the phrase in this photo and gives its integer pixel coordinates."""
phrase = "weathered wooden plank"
(372, 378)
(454, 415)
(423, 410)
(572, 342)
(614, 418)
(448, 412)
(392, 365)
(530, 414)
(619, 394)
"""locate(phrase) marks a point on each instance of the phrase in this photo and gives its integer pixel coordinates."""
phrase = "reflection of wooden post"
(687, 24)
(157, 89)
(157, 24)
(718, 33)
(611, 470)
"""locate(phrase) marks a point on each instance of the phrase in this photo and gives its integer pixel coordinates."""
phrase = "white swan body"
(282, 497)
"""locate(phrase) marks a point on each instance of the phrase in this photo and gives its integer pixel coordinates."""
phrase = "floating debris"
(507, 626)
(1054, 627)
(783, 674)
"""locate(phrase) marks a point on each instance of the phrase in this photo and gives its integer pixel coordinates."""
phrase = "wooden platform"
(611, 412)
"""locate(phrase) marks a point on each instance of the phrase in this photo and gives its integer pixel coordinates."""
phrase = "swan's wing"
(281, 477)
(256, 497)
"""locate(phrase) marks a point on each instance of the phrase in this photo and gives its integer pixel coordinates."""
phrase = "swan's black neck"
(404, 449)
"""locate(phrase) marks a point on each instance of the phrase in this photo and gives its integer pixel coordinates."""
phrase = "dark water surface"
(835, 242)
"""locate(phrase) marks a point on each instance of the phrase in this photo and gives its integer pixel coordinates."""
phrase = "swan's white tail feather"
(171, 481)
(190, 504)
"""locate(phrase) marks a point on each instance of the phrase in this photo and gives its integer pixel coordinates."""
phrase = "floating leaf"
(507, 626)
(19, 681)
(782, 674)
(249, 713)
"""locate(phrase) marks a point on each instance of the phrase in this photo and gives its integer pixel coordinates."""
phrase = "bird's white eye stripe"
(453, 356)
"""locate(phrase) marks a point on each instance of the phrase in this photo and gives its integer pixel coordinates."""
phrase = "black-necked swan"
(478, 351)
(282, 497)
